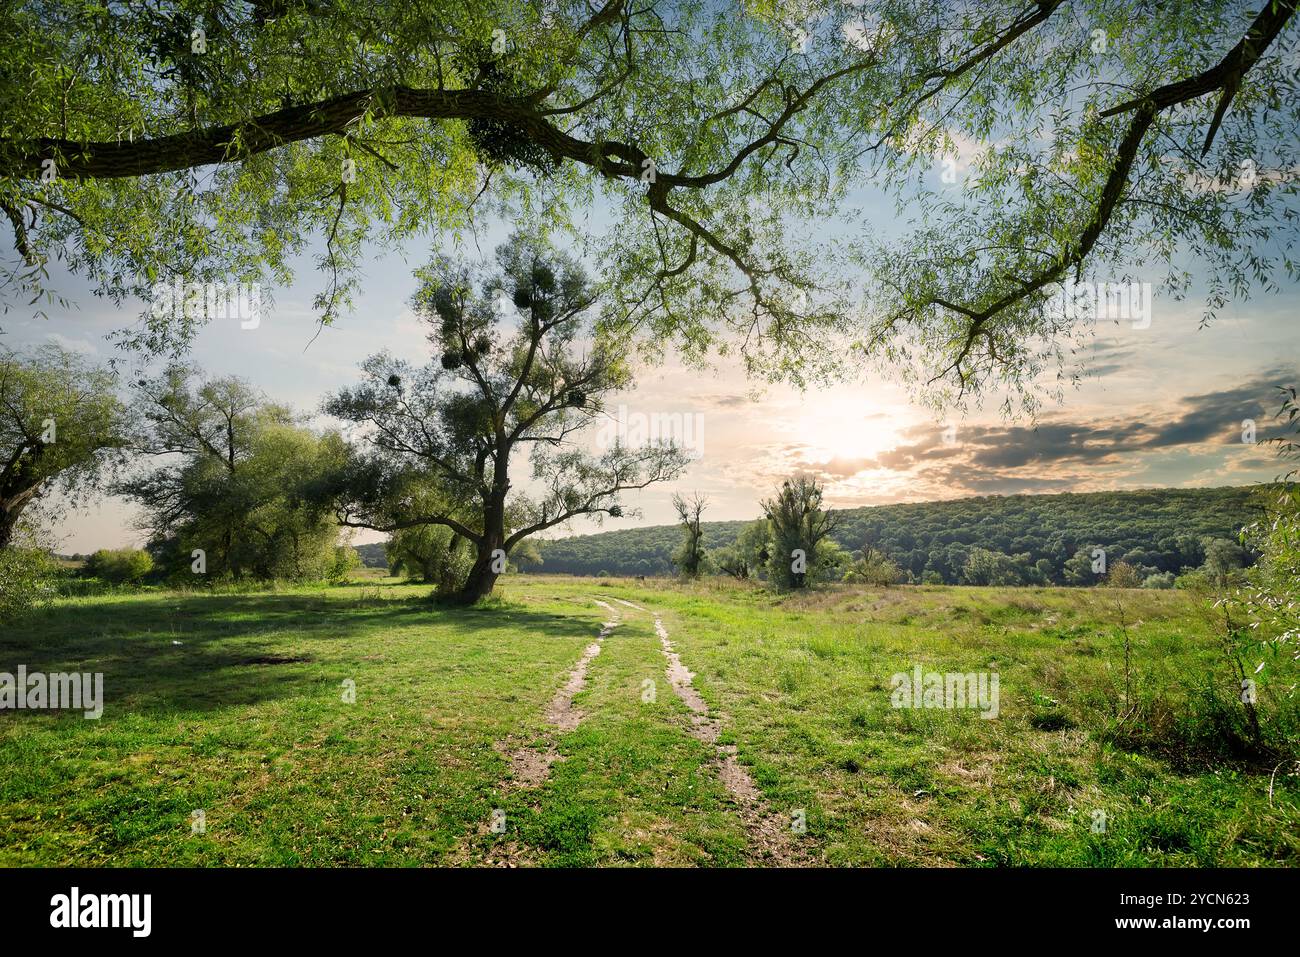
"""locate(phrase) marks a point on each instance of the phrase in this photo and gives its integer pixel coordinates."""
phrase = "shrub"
(25, 580)
(1123, 575)
(346, 560)
(874, 569)
(120, 566)
(1159, 580)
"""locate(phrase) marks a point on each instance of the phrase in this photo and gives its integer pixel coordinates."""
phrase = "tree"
(26, 573)
(61, 428)
(435, 553)
(799, 527)
(1270, 593)
(240, 483)
(690, 558)
(873, 568)
(1124, 575)
(1222, 558)
(1079, 569)
(438, 555)
(987, 567)
(1160, 580)
(747, 556)
(456, 423)
(362, 121)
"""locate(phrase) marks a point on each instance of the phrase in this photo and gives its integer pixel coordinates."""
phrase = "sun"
(847, 427)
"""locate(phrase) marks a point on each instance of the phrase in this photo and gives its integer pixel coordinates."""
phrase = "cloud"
(1063, 453)
(1219, 416)
(83, 346)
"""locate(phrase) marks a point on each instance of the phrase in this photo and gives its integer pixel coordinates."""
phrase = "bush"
(26, 580)
(1159, 580)
(1123, 575)
(346, 561)
(120, 566)
(874, 569)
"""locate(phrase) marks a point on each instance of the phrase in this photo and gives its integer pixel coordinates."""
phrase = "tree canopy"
(235, 488)
(60, 427)
(733, 144)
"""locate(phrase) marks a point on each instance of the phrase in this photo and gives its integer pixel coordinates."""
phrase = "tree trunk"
(10, 509)
(480, 582)
(8, 522)
(482, 578)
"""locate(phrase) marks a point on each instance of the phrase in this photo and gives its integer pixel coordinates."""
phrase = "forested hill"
(1164, 529)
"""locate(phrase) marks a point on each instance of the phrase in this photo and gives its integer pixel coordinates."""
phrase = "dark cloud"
(1218, 416)
(727, 401)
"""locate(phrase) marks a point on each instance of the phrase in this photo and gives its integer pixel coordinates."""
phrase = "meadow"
(495, 736)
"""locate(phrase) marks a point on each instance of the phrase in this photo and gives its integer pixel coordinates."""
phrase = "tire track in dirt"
(770, 835)
(531, 766)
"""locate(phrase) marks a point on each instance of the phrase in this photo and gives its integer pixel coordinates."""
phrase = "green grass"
(245, 720)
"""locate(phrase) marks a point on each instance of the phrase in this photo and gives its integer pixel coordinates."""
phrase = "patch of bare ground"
(771, 837)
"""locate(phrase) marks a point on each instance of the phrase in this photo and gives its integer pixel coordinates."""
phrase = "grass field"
(233, 704)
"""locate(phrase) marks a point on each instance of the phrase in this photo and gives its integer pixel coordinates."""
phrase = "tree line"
(990, 540)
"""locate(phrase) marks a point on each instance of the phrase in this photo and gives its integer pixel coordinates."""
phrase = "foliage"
(61, 427)
(986, 567)
(454, 425)
(747, 556)
(119, 566)
(1159, 580)
(690, 559)
(873, 568)
(1163, 530)
(729, 142)
(241, 485)
(26, 574)
(433, 553)
(1222, 559)
(799, 527)
(1123, 575)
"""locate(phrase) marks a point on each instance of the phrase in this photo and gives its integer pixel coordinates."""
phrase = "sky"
(1161, 406)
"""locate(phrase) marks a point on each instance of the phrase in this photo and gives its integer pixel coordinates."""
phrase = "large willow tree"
(731, 140)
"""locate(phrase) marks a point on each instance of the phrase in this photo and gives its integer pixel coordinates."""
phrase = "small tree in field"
(459, 422)
(1123, 575)
(747, 557)
(690, 557)
(799, 528)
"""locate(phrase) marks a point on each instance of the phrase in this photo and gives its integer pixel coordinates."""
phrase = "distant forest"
(1157, 530)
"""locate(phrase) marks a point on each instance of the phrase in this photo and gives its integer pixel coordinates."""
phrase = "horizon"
(870, 438)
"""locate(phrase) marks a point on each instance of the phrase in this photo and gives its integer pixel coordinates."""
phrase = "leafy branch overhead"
(734, 146)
